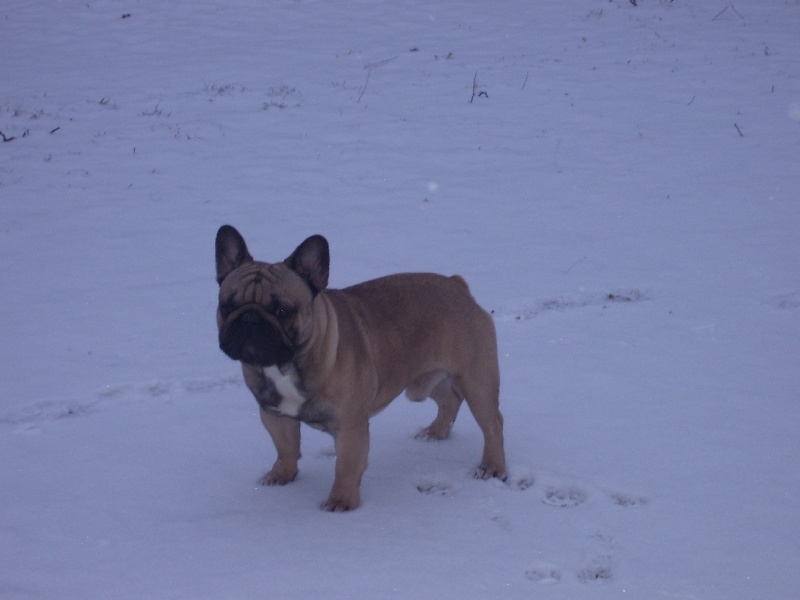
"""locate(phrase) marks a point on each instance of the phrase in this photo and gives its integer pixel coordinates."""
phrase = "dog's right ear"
(231, 251)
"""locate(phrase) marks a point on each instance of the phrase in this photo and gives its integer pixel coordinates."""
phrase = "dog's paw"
(485, 471)
(340, 504)
(280, 474)
(433, 434)
(273, 478)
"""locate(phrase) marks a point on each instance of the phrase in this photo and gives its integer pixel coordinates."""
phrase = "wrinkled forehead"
(257, 282)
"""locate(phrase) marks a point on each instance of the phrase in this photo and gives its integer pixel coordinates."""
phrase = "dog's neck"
(318, 354)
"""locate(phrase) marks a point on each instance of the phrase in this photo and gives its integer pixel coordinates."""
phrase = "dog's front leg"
(285, 433)
(352, 448)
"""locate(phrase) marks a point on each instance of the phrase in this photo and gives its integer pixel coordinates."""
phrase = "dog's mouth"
(254, 338)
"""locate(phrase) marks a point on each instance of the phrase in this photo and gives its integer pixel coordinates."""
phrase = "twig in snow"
(475, 91)
(380, 63)
(156, 112)
(526, 80)
(739, 130)
(719, 14)
(366, 83)
(722, 12)
(7, 139)
(576, 263)
(369, 68)
(474, 87)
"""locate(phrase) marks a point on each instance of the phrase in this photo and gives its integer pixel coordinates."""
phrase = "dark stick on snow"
(727, 6)
(369, 68)
(719, 14)
(739, 130)
(380, 63)
(474, 87)
(7, 139)
(526, 80)
(366, 83)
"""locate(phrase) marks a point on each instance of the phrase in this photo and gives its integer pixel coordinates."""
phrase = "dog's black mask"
(255, 338)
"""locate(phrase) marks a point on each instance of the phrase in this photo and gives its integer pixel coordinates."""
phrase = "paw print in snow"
(544, 573)
(434, 488)
(628, 500)
(564, 496)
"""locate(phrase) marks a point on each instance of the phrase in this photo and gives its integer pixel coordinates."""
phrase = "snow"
(617, 183)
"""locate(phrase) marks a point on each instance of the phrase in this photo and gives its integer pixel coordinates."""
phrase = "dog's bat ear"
(231, 251)
(311, 260)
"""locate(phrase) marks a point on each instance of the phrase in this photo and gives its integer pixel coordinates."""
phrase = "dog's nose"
(250, 318)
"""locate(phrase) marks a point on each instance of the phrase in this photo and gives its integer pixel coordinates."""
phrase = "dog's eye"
(281, 309)
(226, 308)
(283, 312)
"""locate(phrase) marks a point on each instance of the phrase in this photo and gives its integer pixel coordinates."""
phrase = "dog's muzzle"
(253, 337)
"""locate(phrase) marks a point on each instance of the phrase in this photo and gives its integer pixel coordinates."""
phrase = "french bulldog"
(333, 358)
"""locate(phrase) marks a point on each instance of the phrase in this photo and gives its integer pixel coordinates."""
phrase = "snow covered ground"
(618, 183)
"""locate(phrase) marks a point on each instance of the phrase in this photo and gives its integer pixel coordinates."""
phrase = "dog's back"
(416, 311)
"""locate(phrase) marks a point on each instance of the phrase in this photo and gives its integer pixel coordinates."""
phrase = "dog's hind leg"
(448, 400)
(439, 386)
(482, 398)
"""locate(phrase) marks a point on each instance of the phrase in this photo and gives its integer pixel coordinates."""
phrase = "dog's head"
(264, 314)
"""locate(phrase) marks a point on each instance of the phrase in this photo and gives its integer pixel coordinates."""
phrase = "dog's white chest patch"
(292, 399)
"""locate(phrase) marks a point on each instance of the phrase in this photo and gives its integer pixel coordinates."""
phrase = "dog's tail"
(460, 280)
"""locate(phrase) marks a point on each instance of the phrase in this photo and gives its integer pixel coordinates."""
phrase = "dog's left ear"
(311, 260)
(231, 251)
